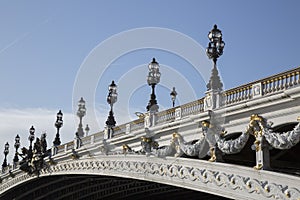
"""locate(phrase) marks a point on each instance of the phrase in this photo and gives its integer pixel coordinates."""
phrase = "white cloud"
(18, 121)
(15, 121)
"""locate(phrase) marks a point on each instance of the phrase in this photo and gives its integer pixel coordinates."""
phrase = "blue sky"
(43, 44)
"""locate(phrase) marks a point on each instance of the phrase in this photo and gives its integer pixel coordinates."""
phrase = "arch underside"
(99, 187)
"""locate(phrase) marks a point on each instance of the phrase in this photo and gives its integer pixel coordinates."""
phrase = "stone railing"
(263, 87)
(131, 126)
(191, 108)
(238, 94)
(281, 81)
(166, 115)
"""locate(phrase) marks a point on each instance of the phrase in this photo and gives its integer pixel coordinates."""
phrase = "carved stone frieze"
(198, 177)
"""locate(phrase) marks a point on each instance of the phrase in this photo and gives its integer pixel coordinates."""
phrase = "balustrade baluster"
(264, 87)
(290, 82)
(247, 92)
(241, 94)
(294, 82)
(272, 89)
(294, 78)
(229, 98)
(233, 97)
(277, 84)
(238, 95)
(250, 91)
(280, 83)
(268, 87)
(284, 84)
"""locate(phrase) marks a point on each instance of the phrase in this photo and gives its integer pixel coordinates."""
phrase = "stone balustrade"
(263, 87)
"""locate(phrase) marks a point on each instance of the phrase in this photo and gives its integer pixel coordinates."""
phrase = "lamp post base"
(56, 141)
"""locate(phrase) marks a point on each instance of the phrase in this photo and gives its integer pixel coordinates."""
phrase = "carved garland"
(189, 149)
(282, 140)
(233, 146)
(212, 135)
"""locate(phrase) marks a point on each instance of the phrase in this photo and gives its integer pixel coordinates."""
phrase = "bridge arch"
(214, 178)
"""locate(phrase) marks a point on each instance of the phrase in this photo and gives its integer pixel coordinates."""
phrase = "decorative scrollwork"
(226, 180)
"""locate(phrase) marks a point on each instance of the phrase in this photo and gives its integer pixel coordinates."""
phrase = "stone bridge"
(241, 143)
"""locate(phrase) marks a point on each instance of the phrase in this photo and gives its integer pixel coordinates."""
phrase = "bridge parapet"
(266, 86)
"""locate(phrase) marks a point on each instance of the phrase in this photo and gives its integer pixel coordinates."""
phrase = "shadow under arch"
(99, 187)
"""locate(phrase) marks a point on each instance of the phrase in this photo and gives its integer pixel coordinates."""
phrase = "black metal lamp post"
(58, 125)
(17, 145)
(173, 95)
(214, 51)
(31, 138)
(111, 99)
(6, 151)
(153, 78)
(81, 113)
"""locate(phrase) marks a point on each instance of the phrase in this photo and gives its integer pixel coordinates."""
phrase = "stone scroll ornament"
(284, 140)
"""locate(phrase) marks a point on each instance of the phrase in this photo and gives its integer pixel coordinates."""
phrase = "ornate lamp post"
(6, 151)
(173, 95)
(214, 96)
(214, 51)
(81, 113)
(30, 138)
(153, 78)
(17, 145)
(111, 99)
(58, 125)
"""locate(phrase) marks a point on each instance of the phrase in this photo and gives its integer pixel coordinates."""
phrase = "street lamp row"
(213, 51)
